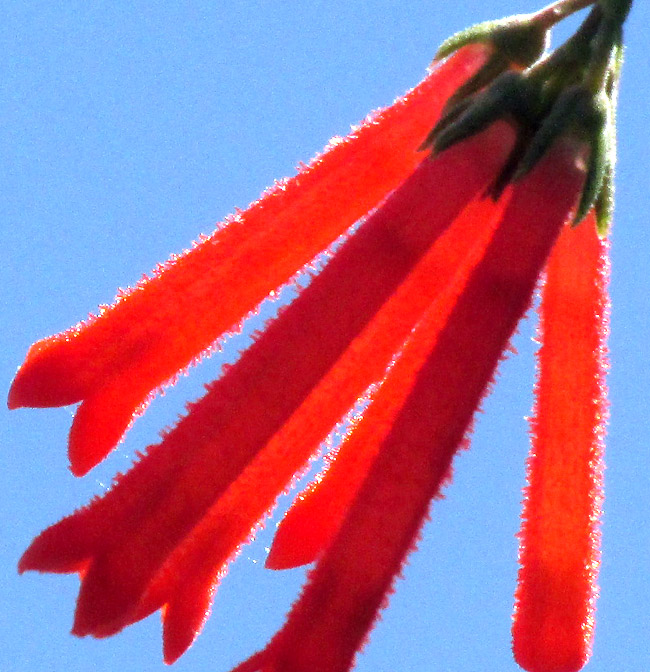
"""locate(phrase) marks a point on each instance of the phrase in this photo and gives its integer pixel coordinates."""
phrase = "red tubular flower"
(317, 513)
(559, 555)
(114, 362)
(412, 312)
(182, 512)
(330, 621)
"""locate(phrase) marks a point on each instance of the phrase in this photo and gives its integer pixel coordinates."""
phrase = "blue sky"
(129, 128)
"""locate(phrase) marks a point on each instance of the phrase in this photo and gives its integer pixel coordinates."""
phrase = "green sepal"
(520, 38)
(510, 95)
(596, 123)
(568, 107)
(617, 10)
(515, 41)
(604, 205)
(495, 65)
(449, 116)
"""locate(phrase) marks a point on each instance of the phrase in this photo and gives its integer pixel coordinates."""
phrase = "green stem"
(557, 11)
(575, 51)
(616, 9)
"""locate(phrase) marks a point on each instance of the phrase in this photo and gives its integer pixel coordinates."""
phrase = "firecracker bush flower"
(412, 312)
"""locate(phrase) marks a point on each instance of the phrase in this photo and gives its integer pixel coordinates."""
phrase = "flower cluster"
(413, 312)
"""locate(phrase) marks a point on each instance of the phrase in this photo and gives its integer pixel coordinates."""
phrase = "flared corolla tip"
(79, 462)
(25, 391)
(287, 555)
(98, 426)
(276, 560)
(34, 558)
(13, 398)
(24, 564)
(176, 643)
(43, 555)
(43, 383)
(98, 619)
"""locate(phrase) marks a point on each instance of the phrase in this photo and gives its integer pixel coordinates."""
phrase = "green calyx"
(574, 110)
(571, 91)
(518, 39)
(604, 205)
(617, 10)
(508, 96)
(595, 124)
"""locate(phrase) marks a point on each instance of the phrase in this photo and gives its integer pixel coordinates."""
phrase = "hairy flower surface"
(412, 313)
